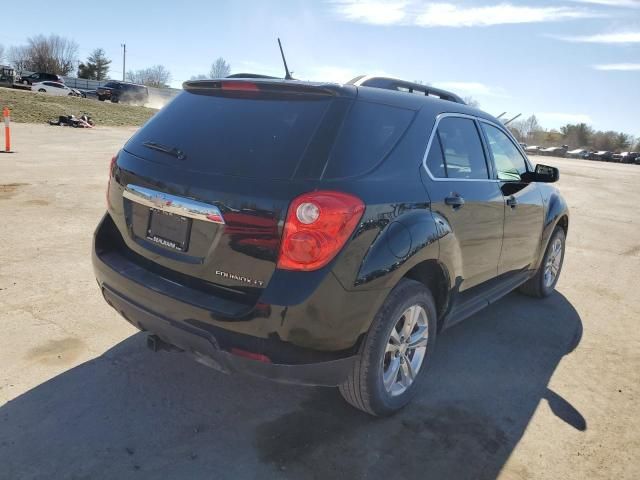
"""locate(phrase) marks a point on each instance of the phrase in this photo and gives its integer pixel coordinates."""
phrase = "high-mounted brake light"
(239, 86)
(317, 227)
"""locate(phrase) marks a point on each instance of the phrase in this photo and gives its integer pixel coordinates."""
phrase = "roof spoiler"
(404, 86)
(256, 86)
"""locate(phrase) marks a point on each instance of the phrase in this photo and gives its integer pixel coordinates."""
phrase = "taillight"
(317, 227)
(112, 166)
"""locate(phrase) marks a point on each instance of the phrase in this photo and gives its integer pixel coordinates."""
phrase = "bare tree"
(199, 77)
(52, 54)
(19, 58)
(220, 69)
(1, 53)
(472, 102)
(528, 130)
(157, 76)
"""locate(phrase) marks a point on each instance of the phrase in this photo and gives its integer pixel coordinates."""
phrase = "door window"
(456, 151)
(510, 164)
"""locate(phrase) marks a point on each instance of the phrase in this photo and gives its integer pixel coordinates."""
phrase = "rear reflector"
(250, 355)
(112, 165)
(317, 227)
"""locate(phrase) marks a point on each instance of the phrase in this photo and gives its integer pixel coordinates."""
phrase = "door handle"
(455, 201)
(512, 201)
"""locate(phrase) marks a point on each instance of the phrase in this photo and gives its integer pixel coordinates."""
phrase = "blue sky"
(565, 61)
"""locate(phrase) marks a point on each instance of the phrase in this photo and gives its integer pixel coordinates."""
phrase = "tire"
(42, 90)
(540, 285)
(365, 388)
(101, 98)
(114, 100)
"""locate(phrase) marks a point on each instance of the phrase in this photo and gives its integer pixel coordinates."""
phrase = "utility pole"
(124, 58)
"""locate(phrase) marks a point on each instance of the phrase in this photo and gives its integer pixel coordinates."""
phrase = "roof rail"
(404, 86)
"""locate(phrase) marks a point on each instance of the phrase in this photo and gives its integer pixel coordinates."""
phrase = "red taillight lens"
(317, 227)
(112, 165)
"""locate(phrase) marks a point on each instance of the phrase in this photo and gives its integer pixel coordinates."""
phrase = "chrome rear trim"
(166, 202)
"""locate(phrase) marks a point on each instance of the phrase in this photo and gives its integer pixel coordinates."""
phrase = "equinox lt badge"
(240, 278)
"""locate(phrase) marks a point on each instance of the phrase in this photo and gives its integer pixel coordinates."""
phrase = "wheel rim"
(554, 260)
(405, 350)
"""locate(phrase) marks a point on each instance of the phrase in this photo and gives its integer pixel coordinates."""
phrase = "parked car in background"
(40, 77)
(246, 226)
(533, 149)
(578, 153)
(554, 151)
(625, 157)
(123, 92)
(52, 88)
(602, 155)
(90, 94)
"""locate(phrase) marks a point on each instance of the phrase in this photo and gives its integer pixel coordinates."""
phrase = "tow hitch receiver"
(155, 344)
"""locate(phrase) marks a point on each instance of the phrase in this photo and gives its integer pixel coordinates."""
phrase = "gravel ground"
(525, 389)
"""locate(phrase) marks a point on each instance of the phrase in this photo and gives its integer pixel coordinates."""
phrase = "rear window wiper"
(179, 154)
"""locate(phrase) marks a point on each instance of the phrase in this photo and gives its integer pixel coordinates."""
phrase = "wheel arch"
(433, 275)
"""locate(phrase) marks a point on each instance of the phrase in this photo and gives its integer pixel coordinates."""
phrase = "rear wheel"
(101, 98)
(395, 353)
(543, 283)
(42, 90)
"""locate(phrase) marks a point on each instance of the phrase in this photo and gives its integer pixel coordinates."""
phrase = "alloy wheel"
(405, 350)
(554, 260)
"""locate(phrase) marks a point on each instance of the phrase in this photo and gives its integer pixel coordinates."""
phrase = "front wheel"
(543, 283)
(395, 354)
(42, 90)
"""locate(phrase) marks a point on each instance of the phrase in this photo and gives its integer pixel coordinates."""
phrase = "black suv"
(40, 77)
(123, 92)
(322, 234)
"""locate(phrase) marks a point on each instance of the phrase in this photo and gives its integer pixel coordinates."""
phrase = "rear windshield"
(257, 138)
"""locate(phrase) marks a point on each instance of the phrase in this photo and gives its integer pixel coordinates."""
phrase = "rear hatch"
(201, 191)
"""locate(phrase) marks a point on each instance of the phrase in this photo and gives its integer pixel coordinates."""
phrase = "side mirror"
(546, 174)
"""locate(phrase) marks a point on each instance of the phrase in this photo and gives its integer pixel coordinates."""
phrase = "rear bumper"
(204, 347)
(297, 343)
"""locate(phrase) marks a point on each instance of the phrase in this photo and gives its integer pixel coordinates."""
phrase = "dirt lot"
(526, 389)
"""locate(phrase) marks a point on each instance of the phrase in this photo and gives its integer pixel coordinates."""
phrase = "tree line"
(59, 55)
(578, 135)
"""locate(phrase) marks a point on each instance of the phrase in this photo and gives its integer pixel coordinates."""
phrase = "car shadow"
(132, 413)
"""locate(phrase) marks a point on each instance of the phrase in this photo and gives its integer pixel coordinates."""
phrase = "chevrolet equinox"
(322, 234)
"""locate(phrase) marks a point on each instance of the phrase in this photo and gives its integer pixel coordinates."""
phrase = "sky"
(564, 61)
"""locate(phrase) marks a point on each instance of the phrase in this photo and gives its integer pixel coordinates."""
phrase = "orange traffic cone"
(7, 130)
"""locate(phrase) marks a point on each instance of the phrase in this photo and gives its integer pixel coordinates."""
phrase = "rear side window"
(369, 133)
(456, 150)
(247, 137)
